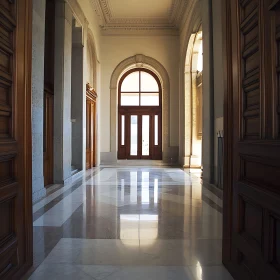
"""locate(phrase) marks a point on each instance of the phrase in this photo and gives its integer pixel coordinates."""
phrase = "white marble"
(102, 272)
(58, 214)
(136, 252)
(50, 198)
(135, 223)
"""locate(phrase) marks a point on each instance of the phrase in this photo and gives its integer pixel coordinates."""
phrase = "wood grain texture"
(252, 146)
(15, 138)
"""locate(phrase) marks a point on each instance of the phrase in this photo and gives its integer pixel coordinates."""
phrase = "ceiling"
(146, 16)
(135, 9)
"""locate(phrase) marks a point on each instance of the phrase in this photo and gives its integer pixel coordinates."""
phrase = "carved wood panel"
(252, 163)
(15, 138)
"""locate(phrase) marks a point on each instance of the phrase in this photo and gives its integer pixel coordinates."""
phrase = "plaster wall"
(115, 49)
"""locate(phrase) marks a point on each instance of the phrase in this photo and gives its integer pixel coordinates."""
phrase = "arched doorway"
(193, 101)
(139, 115)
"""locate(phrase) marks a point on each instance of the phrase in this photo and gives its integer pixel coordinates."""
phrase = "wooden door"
(251, 243)
(91, 127)
(15, 138)
(139, 134)
(48, 136)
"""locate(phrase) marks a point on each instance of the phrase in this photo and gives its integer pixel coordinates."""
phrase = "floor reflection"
(116, 220)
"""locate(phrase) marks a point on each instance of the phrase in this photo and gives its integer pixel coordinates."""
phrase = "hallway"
(130, 223)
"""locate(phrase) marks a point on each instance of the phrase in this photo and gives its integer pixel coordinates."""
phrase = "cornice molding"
(126, 26)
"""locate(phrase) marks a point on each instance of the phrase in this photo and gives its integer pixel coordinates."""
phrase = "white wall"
(93, 24)
(115, 49)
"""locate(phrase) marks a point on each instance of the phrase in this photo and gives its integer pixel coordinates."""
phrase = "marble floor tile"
(106, 272)
(124, 222)
(136, 252)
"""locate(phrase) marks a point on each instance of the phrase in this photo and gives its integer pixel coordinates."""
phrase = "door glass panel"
(133, 135)
(150, 99)
(130, 99)
(156, 130)
(145, 135)
(131, 82)
(123, 130)
(148, 82)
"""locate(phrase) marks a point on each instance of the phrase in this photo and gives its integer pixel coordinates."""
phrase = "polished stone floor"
(130, 223)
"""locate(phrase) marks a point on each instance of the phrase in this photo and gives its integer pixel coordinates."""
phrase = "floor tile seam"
(212, 204)
(50, 193)
(47, 207)
(213, 189)
(118, 239)
(103, 278)
(57, 194)
(208, 193)
(60, 197)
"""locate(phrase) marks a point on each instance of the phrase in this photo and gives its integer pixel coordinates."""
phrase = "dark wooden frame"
(16, 252)
(127, 111)
(250, 157)
(228, 132)
(91, 97)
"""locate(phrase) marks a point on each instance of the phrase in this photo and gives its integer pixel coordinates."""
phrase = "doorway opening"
(139, 115)
(193, 101)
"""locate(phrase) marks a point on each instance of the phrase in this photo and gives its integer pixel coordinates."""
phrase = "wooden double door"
(139, 134)
(251, 242)
(15, 138)
(91, 127)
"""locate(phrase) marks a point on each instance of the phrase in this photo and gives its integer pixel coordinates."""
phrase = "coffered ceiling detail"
(146, 16)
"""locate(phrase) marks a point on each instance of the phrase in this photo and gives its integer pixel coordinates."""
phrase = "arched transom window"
(139, 88)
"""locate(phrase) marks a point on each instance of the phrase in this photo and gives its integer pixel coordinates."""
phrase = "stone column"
(38, 43)
(208, 93)
(62, 92)
(77, 106)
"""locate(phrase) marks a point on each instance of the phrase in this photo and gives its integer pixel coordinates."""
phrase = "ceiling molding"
(126, 26)
(177, 12)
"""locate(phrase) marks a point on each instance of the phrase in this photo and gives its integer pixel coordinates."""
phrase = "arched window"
(139, 88)
(140, 122)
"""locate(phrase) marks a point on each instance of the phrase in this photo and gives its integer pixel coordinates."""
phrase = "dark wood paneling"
(15, 138)
(252, 147)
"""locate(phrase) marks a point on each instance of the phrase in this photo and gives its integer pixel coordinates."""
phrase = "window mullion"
(139, 88)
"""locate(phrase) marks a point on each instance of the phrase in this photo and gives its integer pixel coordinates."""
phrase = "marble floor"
(130, 223)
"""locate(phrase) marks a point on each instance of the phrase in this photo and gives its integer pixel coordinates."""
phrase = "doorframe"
(92, 96)
(228, 132)
(139, 111)
(23, 113)
(142, 61)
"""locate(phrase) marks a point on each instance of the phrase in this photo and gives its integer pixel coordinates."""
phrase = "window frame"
(139, 106)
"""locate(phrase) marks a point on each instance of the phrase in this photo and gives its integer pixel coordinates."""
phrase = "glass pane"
(150, 99)
(148, 82)
(156, 130)
(123, 129)
(200, 58)
(133, 135)
(131, 82)
(130, 99)
(145, 135)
